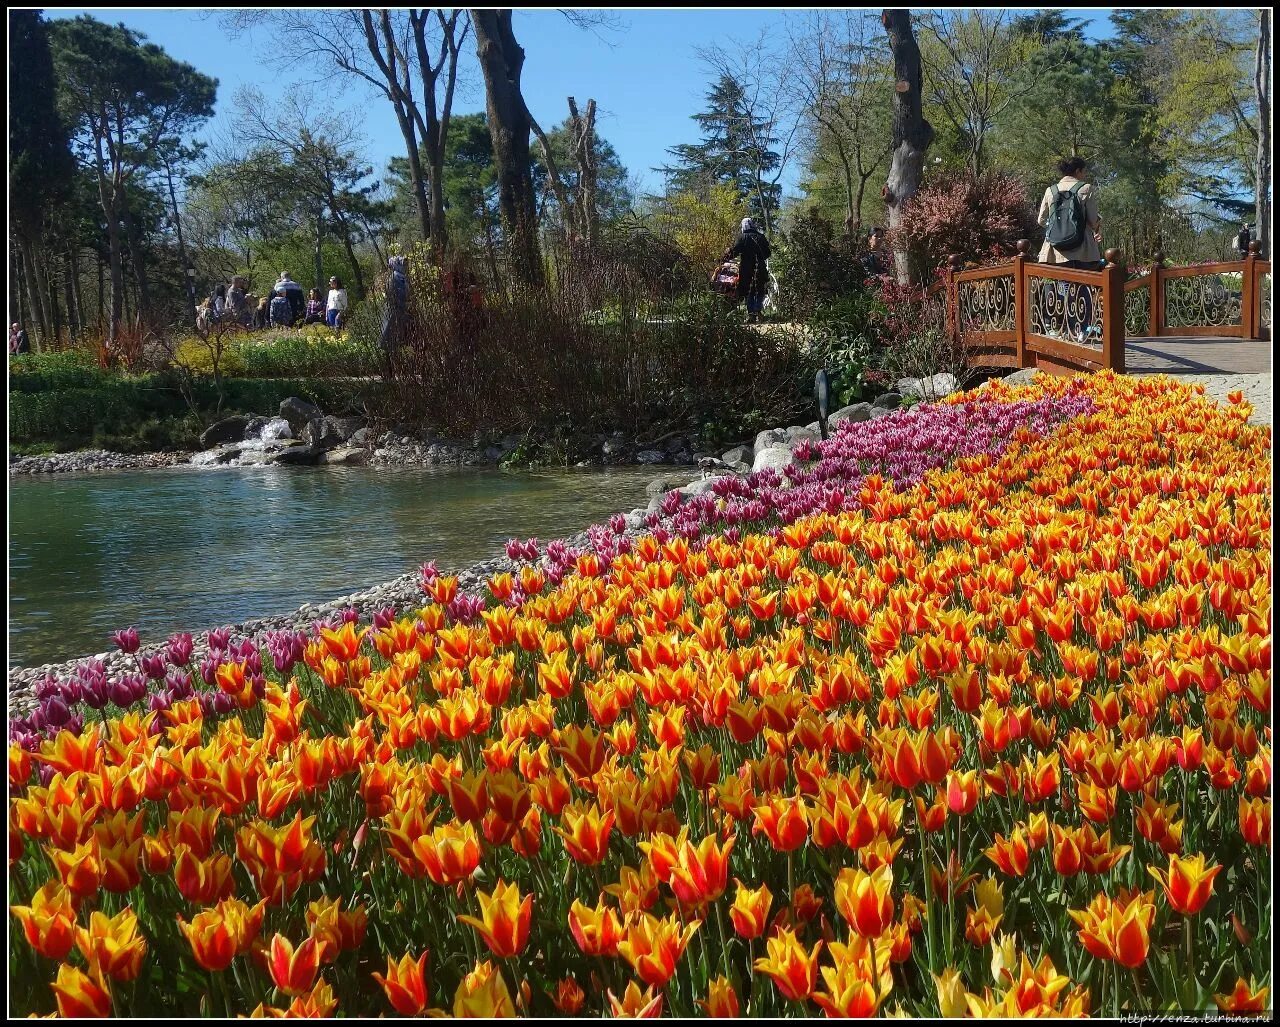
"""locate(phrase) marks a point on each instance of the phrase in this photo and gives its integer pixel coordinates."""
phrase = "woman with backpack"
(1069, 212)
(1072, 238)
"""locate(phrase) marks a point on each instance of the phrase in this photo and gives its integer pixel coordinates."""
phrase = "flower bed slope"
(995, 742)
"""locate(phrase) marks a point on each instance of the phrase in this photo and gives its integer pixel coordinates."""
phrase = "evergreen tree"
(736, 150)
(40, 164)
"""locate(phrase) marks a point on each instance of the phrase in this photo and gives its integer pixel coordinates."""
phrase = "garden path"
(1222, 365)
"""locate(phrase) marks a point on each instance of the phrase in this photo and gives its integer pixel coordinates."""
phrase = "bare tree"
(769, 115)
(912, 134)
(501, 60)
(842, 88)
(397, 52)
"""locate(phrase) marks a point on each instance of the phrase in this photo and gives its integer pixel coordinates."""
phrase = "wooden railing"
(1026, 314)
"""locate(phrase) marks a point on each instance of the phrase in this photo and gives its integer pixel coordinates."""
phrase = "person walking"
(281, 310)
(335, 311)
(753, 251)
(1072, 238)
(397, 296)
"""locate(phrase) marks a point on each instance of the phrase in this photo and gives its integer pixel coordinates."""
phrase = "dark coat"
(753, 251)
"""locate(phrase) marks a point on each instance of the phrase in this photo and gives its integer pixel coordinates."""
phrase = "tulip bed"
(989, 739)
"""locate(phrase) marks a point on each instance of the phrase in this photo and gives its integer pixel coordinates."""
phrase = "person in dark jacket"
(752, 250)
(1243, 239)
(281, 310)
(294, 294)
(397, 297)
(872, 261)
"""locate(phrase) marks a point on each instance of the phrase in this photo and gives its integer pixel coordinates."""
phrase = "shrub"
(313, 351)
(977, 218)
(814, 267)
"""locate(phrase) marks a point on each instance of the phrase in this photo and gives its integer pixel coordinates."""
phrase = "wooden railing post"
(1021, 315)
(1249, 315)
(954, 263)
(1155, 294)
(1113, 312)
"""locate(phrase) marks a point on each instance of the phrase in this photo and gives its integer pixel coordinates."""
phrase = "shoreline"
(402, 593)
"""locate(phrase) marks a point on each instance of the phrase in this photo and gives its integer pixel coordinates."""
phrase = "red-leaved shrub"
(976, 217)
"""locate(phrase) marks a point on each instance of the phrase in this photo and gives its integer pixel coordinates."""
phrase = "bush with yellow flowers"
(995, 743)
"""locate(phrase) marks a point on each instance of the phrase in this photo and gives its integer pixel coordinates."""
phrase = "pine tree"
(735, 149)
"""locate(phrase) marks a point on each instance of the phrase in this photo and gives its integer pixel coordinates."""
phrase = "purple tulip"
(384, 618)
(122, 694)
(429, 573)
(209, 669)
(218, 638)
(47, 687)
(153, 666)
(177, 683)
(45, 773)
(180, 649)
(126, 640)
(223, 703)
(159, 702)
(97, 693)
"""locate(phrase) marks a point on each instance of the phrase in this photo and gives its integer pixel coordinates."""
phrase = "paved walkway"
(1182, 355)
(1222, 366)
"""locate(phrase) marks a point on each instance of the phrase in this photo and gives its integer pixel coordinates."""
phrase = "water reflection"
(190, 549)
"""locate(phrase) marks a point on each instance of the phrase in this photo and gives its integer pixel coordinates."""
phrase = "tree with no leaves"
(911, 133)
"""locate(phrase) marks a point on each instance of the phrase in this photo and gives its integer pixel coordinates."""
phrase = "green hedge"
(66, 400)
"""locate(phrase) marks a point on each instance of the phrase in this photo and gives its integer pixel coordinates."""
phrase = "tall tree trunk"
(567, 213)
(137, 257)
(375, 37)
(435, 120)
(911, 133)
(1262, 176)
(71, 284)
(584, 136)
(102, 292)
(56, 323)
(35, 293)
(182, 248)
(501, 59)
(16, 311)
(319, 249)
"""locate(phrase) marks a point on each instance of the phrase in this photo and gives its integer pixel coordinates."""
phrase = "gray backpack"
(1065, 230)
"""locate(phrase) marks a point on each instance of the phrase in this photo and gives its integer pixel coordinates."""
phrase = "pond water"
(184, 549)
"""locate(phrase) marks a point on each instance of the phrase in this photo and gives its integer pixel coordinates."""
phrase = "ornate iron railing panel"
(987, 305)
(1203, 301)
(1070, 311)
(1264, 299)
(1137, 311)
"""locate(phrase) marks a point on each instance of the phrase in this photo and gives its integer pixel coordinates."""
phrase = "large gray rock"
(345, 427)
(795, 434)
(229, 429)
(931, 388)
(298, 412)
(666, 482)
(302, 454)
(614, 447)
(774, 458)
(360, 438)
(699, 487)
(349, 455)
(889, 401)
(855, 412)
(322, 433)
(739, 457)
(254, 428)
(767, 438)
(650, 456)
(1023, 377)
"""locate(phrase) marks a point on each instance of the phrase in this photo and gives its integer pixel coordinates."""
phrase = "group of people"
(288, 306)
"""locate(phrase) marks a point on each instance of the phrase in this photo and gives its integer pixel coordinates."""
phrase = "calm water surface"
(185, 549)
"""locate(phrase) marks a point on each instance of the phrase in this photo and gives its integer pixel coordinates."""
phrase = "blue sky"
(644, 76)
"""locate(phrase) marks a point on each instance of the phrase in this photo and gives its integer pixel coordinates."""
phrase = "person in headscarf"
(397, 296)
(752, 250)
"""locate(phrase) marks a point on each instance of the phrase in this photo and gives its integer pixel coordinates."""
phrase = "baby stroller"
(724, 280)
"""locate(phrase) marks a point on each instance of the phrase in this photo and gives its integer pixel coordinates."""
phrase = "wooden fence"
(1026, 314)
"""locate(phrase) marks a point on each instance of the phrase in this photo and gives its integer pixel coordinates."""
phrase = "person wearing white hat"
(753, 251)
